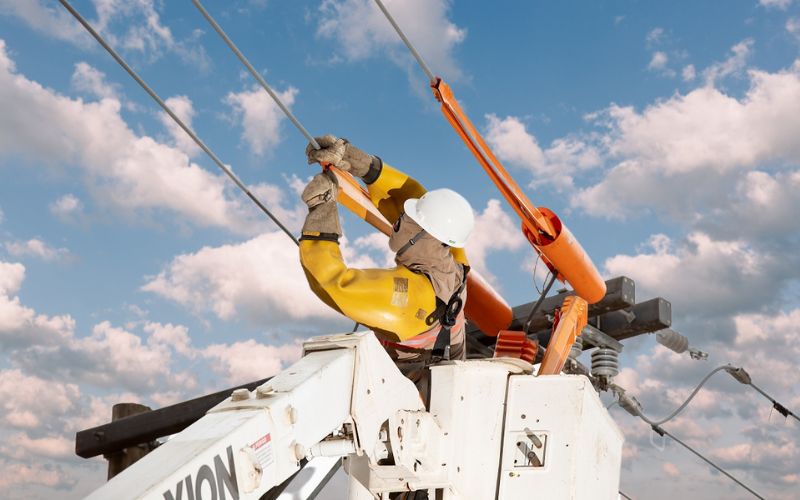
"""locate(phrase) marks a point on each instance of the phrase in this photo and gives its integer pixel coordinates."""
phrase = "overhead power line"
(661, 432)
(255, 73)
(405, 39)
(172, 115)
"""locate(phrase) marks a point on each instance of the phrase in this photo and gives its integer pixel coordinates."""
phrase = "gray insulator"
(673, 340)
(605, 362)
(576, 349)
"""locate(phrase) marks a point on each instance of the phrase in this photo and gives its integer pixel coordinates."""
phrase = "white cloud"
(20, 325)
(174, 336)
(512, 143)
(20, 446)
(793, 27)
(734, 65)
(182, 107)
(494, 231)
(2, 216)
(671, 470)
(259, 116)
(68, 208)
(689, 73)
(778, 4)
(134, 27)
(135, 175)
(260, 278)
(18, 474)
(362, 31)
(246, 361)
(90, 80)
(46, 18)
(108, 357)
(24, 405)
(701, 276)
(658, 62)
(655, 36)
(684, 140)
(35, 248)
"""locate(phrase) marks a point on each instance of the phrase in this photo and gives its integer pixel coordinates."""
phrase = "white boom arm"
(492, 431)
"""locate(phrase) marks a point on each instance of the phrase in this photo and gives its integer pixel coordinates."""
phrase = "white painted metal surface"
(559, 441)
(493, 430)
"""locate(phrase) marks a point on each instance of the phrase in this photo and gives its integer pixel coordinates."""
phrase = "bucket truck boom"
(484, 435)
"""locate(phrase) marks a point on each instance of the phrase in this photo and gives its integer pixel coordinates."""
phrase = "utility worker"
(416, 308)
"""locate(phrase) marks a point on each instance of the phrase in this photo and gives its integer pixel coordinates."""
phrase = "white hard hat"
(444, 214)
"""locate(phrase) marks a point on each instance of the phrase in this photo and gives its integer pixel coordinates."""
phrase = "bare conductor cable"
(172, 115)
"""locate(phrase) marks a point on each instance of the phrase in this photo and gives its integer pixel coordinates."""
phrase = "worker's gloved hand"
(323, 213)
(341, 154)
(331, 150)
(322, 188)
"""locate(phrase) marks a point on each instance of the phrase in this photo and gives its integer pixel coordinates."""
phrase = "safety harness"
(445, 313)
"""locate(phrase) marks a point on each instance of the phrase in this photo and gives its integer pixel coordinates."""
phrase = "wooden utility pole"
(124, 458)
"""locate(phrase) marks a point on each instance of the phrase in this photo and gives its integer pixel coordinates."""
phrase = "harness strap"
(413, 241)
(441, 348)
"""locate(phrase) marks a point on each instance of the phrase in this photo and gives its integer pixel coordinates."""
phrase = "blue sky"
(664, 134)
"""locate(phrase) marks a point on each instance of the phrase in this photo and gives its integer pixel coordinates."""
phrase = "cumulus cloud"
(90, 80)
(16, 474)
(28, 409)
(659, 61)
(67, 208)
(512, 143)
(260, 278)
(684, 140)
(793, 27)
(35, 248)
(46, 18)
(494, 231)
(20, 326)
(132, 174)
(134, 27)
(655, 36)
(700, 275)
(361, 31)
(778, 4)
(259, 116)
(733, 65)
(183, 108)
(246, 361)
(689, 73)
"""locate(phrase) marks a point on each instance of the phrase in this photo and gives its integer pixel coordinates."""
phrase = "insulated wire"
(691, 396)
(255, 73)
(539, 302)
(172, 115)
(262, 82)
(661, 431)
(406, 41)
(781, 409)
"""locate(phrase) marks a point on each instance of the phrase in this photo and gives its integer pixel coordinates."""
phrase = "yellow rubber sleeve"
(392, 302)
(392, 189)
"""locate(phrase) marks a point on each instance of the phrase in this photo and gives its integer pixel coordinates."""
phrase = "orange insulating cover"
(571, 321)
(558, 247)
(485, 307)
(512, 344)
(566, 254)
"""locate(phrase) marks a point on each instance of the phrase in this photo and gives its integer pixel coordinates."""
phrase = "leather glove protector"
(323, 214)
(341, 154)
